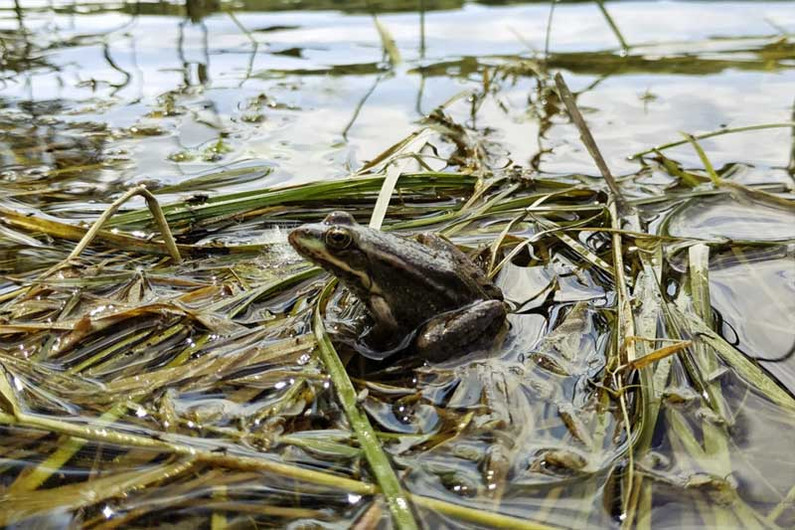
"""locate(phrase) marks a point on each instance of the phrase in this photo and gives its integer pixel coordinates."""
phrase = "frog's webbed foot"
(456, 333)
(451, 334)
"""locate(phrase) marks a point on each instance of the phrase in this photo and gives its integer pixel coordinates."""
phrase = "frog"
(423, 294)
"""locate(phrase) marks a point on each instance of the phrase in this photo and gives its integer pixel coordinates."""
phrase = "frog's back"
(419, 280)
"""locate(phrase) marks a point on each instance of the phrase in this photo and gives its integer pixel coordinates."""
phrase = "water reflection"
(188, 75)
(761, 284)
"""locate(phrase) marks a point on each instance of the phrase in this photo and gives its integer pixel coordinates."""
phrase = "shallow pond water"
(309, 91)
(143, 392)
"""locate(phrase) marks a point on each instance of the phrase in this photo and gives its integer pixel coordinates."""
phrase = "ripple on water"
(736, 218)
(757, 284)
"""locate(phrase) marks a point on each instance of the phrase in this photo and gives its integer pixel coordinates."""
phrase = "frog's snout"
(306, 240)
(295, 236)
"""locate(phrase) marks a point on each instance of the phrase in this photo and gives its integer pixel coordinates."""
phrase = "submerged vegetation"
(169, 361)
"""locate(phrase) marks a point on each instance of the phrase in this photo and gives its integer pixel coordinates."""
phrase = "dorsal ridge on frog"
(426, 287)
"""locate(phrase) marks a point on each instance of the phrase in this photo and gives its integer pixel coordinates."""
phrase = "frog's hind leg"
(457, 333)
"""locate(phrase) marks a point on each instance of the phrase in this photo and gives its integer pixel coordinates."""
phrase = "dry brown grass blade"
(69, 232)
(393, 171)
(658, 354)
(81, 328)
(588, 140)
(157, 214)
(204, 369)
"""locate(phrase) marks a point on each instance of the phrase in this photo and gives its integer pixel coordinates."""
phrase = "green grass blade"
(721, 132)
(713, 175)
(177, 445)
(82, 494)
(385, 475)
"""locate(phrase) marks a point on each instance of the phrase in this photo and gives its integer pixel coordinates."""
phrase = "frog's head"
(336, 245)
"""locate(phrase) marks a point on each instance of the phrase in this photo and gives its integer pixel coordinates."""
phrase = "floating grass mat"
(194, 383)
(135, 389)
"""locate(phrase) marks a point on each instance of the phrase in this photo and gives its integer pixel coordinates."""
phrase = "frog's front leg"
(458, 332)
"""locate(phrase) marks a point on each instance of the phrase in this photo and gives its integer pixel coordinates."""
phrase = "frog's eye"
(338, 238)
